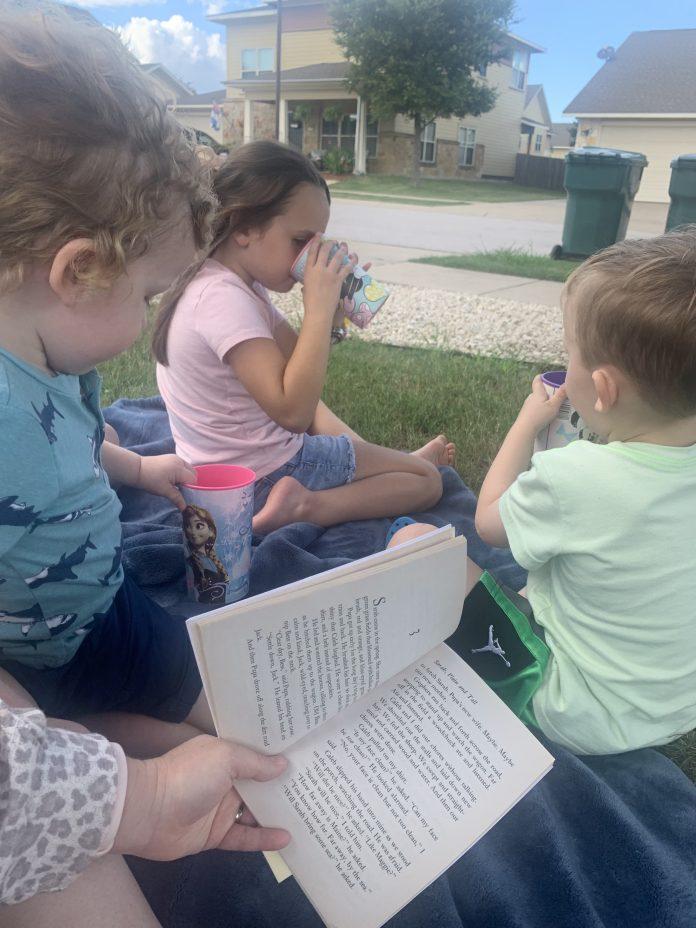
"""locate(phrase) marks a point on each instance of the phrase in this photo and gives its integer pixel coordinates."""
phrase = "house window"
(520, 65)
(467, 146)
(371, 136)
(255, 60)
(339, 133)
(537, 143)
(428, 144)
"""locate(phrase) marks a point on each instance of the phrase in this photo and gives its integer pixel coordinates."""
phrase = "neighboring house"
(535, 130)
(562, 138)
(643, 99)
(191, 109)
(318, 112)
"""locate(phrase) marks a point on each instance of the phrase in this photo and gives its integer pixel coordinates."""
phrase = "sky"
(178, 34)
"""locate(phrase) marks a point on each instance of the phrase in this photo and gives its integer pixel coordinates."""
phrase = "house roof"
(531, 92)
(154, 67)
(201, 99)
(269, 9)
(651, 72)
(536, 92)
(326, 71)
(560, 135)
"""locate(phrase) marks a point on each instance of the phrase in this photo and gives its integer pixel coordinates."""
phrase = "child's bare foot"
(439, 451)
(287, 502)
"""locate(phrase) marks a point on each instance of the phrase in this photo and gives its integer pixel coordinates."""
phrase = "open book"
(400, 757)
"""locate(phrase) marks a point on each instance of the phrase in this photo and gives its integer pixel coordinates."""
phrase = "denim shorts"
(323, 462)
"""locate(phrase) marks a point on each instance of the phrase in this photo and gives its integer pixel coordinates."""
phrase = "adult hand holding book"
(400, 757)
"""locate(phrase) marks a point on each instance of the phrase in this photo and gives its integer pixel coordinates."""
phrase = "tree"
(573, 132)
(422, 58)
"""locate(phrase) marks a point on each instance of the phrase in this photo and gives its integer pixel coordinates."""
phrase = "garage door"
(659, 142)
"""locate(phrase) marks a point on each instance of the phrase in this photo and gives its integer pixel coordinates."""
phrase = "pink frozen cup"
(362, 297)
(217, 533)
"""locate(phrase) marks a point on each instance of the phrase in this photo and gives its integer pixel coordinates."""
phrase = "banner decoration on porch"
(215, 116)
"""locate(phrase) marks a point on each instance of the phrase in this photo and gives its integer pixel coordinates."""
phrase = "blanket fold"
(601, 842)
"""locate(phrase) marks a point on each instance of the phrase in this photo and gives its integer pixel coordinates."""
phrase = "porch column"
(360, 166)
(248, 127)
(283, 123)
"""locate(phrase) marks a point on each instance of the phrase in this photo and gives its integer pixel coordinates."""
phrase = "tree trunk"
(415, 168)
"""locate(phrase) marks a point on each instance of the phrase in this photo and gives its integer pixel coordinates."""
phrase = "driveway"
(534, 225)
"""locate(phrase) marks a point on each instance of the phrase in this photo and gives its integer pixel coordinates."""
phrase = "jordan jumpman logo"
(493, 646)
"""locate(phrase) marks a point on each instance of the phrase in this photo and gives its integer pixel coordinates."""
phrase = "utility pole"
(278, 51)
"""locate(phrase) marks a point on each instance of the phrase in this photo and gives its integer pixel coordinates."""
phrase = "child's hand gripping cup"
(361, 295)
(568, 425)
(217, 533)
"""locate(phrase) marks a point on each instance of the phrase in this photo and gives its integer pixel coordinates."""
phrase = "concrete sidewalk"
(390, 264)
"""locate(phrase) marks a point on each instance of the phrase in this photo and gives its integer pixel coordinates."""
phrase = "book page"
(277, 669)
(436, 537)
(384, 798)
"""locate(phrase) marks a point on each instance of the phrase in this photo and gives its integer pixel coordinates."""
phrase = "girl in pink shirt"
(241, 387)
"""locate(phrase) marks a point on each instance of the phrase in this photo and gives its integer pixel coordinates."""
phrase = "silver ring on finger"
(240, 813)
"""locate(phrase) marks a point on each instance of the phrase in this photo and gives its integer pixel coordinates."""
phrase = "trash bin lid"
(591, 152)
(684, 162)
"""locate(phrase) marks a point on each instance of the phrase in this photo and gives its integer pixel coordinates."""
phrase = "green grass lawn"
(398, 397)
(407, 201)
(402, 397)
(506, 261)
(447, 191)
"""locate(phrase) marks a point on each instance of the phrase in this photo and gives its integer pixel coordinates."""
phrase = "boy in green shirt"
(606, 532)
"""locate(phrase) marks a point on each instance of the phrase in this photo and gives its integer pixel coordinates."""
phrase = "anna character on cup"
(209, 574)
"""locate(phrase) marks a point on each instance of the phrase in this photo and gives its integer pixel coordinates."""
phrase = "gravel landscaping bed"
(479, 325)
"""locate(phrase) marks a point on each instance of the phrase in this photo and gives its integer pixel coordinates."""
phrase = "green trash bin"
(682, 192)
(601, 185)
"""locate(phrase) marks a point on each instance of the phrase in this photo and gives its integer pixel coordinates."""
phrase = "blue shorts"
(323, 462)
(137, 658)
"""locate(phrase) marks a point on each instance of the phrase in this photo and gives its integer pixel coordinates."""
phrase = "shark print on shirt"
(13, 512)
(54, 573)
(62, 517)
(115, 564)
(95, 444)
(47, 416)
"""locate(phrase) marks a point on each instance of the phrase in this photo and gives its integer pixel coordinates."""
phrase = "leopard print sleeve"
(59, 798)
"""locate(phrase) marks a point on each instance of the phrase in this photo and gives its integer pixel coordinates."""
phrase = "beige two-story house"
(535, 137)
(642, 99)
(318, 112)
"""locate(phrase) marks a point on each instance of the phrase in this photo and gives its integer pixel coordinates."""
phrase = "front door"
(295, 132)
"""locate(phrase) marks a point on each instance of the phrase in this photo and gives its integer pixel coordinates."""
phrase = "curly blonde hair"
(88, 151)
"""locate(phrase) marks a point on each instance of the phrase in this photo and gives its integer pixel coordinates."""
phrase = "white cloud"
(193, 55)
(217, 6)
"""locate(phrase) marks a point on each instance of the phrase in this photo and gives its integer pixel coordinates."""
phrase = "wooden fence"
(534, 171)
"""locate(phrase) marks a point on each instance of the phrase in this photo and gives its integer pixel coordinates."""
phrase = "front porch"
(317, 113)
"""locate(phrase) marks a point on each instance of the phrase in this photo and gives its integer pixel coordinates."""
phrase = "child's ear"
(606, 386)
(244, 237)
(63, 277)
(241, 238)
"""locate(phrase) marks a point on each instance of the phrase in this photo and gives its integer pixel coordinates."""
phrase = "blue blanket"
(603, 842)
(152, 536)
